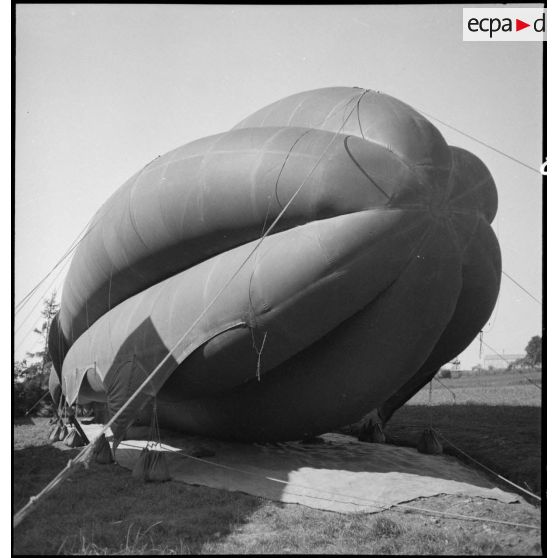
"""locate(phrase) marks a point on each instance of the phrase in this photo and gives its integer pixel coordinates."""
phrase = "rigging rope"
(421, 426)
(430, 411)
(480, 141)
(19, 306)
(77, 241)
(488, 468)
(506, 360)
(37, 402)
(38, 302)
(446, 387)
(521, 287)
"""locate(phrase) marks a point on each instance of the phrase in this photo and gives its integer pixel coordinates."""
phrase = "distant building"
(501, 362)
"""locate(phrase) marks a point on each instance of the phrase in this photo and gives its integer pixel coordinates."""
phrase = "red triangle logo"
(519, 25)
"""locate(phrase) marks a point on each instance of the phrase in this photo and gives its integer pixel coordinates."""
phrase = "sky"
(101, 90)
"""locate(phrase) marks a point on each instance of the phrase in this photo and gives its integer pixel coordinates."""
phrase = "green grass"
(104, 510)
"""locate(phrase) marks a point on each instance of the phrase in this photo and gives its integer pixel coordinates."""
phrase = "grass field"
(104, 510)
(496, 388)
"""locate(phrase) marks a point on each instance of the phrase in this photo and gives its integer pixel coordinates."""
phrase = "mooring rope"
(447, 388)
(505, 360)
(39, 300)
(495, 149)
(37, 402)
(521, 287)
(87, 229)
(487, 468)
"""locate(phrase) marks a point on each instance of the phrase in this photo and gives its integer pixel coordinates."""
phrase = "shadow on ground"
(96, 507)
(22, 421)
(506, 438)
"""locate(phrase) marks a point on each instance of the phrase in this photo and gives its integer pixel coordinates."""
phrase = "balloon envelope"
(380, 267)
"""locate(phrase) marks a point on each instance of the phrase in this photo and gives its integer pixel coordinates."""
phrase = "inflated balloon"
(380, 267)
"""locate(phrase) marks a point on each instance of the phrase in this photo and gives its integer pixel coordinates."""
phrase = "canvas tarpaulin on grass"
(342, 475)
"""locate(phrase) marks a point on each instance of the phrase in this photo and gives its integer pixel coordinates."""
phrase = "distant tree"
(22, 370)
(50, 308)
(31, 376)
(534, 350)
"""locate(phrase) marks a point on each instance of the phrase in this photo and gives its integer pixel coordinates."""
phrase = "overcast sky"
(101, 90)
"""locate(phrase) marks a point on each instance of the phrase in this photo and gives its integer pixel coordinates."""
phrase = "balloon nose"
(438, 207)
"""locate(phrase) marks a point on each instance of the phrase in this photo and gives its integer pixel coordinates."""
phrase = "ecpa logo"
(504, 24)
